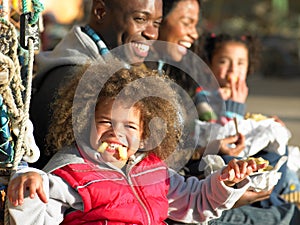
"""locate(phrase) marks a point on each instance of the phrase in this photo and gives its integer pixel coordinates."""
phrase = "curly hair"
(210, 43)
(149, 92)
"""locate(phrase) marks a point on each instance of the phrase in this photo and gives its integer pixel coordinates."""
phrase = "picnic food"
(102, 147)
(122, 150)
(255, 116)
(260, 161)
(234, 78)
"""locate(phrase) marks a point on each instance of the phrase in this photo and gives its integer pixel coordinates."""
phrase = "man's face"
(134, 22)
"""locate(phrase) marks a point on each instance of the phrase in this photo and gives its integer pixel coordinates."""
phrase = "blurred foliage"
(276, 22)
(263, 17)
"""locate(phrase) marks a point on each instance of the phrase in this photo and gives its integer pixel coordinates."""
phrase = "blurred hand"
(278, 120)
(237, 140)
(250, 197)
(31, 181)
(239, 91)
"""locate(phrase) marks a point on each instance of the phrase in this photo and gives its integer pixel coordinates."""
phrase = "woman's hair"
(210, 43)
(138, 87)
(169, 5)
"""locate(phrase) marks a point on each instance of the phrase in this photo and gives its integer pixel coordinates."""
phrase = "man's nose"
(150, 32)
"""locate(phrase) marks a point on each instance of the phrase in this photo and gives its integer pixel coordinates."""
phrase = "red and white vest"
(109, 197)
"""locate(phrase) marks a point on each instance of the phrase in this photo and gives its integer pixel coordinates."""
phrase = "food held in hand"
(233, 78)
(102, 147)
(261, 161)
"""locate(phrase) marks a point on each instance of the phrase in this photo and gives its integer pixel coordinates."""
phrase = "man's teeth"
(185, 44)
(141, 47)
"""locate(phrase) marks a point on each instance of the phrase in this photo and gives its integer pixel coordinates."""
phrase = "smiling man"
(112, 23)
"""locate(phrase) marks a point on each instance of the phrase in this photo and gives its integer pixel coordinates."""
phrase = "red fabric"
(110, 198)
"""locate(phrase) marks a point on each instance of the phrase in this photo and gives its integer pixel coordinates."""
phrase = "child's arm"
(31, 181)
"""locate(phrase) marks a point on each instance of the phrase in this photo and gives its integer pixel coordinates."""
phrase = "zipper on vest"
(139, 199)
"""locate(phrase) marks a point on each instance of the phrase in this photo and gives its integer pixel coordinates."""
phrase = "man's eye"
(157, 24)
(140, 19)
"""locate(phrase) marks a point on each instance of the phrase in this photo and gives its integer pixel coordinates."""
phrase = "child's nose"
(118, 130)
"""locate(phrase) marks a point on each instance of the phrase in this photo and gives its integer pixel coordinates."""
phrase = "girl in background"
(232, 59)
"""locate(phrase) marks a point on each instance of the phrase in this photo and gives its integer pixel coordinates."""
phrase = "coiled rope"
(16, 98)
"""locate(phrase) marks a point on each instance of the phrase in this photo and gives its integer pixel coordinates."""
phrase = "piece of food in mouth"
(233, 78)
(102, 147)
(122, 152)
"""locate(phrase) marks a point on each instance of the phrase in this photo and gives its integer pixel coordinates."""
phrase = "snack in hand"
(233, 78)
(261, 161)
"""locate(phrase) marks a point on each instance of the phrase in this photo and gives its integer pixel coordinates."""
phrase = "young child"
(232, 59)
(109, 167)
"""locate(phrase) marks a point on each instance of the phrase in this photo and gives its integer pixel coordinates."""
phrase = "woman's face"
(119, 127)
(230, 63)
(180, 27)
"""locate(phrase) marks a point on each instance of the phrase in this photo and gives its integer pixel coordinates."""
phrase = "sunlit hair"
(166, 108)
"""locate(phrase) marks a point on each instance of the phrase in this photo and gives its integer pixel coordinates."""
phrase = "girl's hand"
(239, 91)
(238, 170)
(238, 140)
(31, 181)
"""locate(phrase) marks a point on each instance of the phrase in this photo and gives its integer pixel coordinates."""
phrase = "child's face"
(230, 63)
(118, 126)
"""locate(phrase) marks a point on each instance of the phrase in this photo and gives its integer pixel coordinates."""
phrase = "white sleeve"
(34, 211)
(193, 200)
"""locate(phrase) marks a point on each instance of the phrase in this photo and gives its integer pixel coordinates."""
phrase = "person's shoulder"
(63, 157)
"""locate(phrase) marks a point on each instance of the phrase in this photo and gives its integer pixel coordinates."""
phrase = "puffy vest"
(109, 197)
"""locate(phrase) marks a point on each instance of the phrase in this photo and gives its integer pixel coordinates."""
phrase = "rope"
(11, 91)
(24, 6)
(19, 151)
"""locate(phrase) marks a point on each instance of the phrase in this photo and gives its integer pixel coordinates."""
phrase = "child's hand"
(237, 140)
(238, 170)
(239, 91)
(31, 181)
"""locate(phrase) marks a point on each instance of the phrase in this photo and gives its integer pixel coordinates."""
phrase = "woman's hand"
(239, 145)
(250, 197)
(31, 181)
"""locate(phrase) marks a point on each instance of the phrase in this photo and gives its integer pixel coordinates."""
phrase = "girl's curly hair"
(144, 89)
